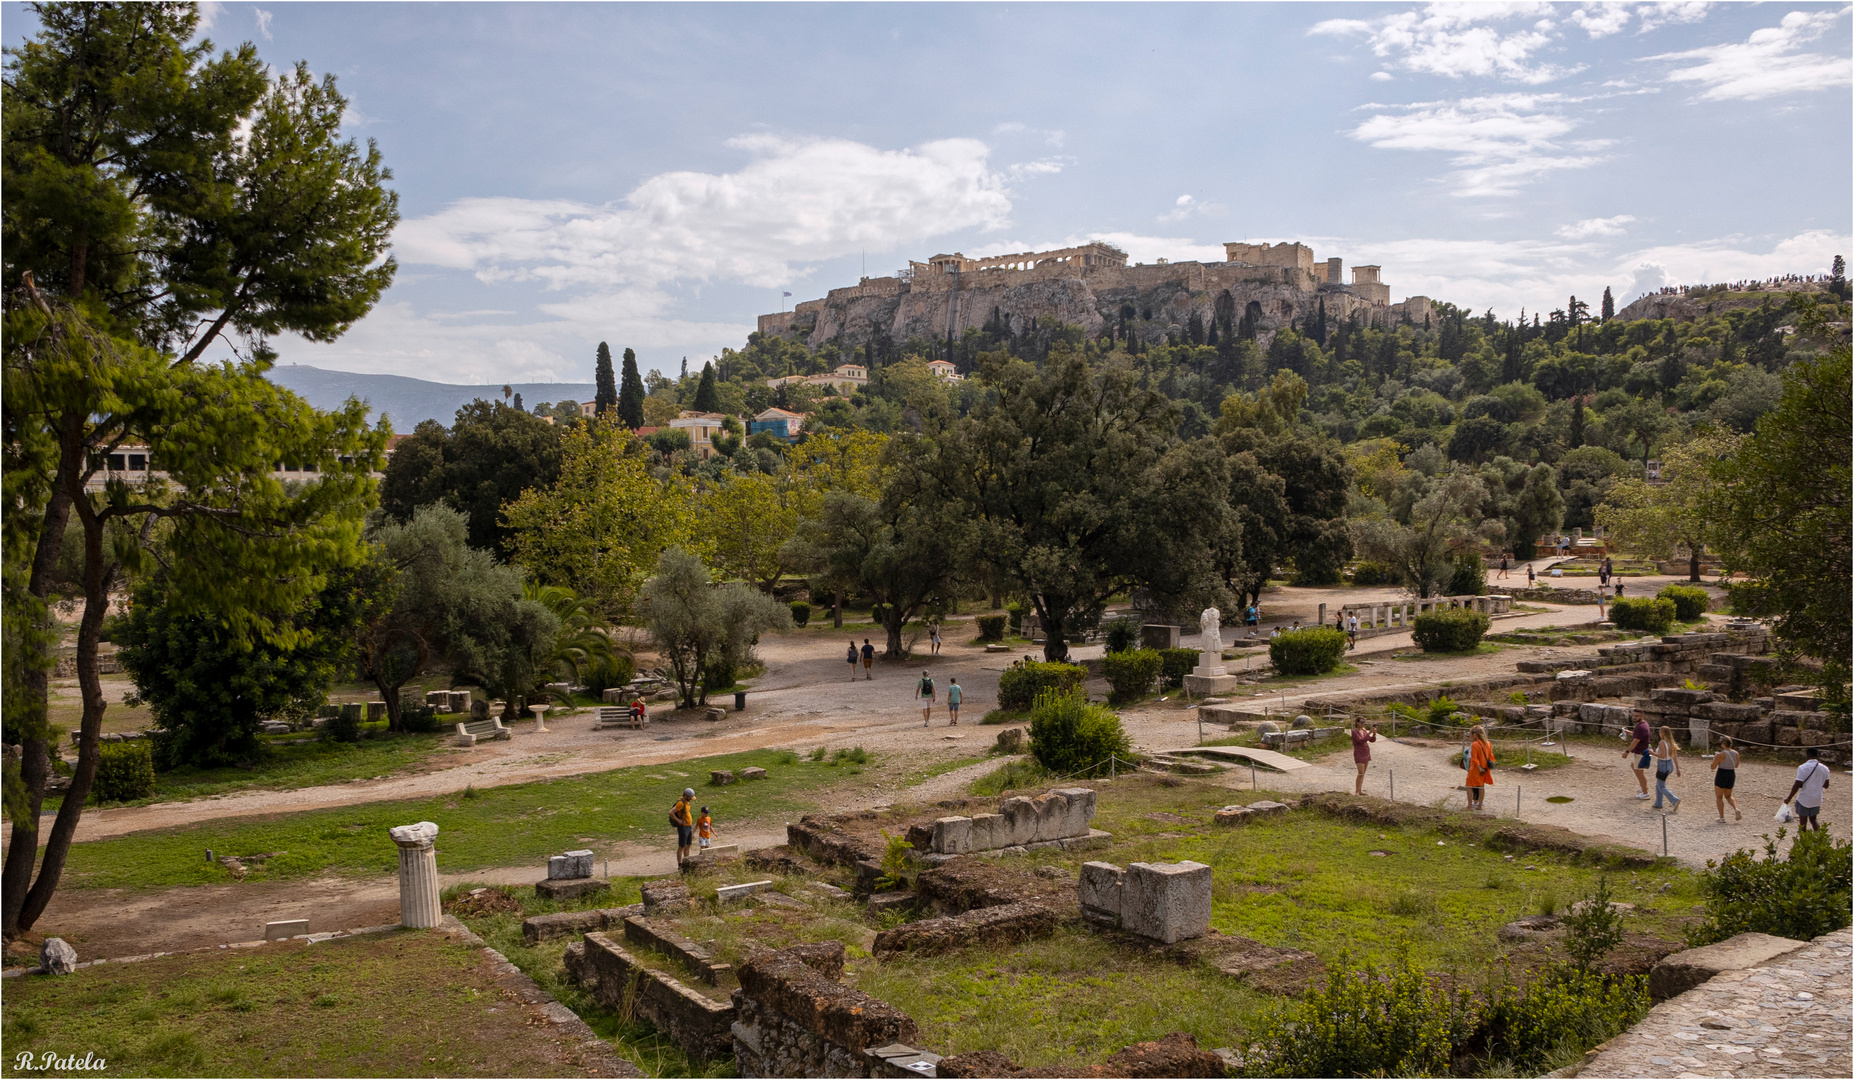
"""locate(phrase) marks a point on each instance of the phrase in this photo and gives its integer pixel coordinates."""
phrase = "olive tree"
(702, 627)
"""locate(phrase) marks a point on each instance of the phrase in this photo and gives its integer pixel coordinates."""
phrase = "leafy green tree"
(1782, 504)
(209, 691)
(606, 383)
(1078, 488)
(631, 394)
(601, 526)
(1476, 439)
(749, 519)
(1248, 553)
(1585, 476)
(1609, 305)
(491, 454)
(893, 550)
(1653, 519)
(583, 644)
(430, 598)
(699, 626)
(1440, 524)
(707, 399)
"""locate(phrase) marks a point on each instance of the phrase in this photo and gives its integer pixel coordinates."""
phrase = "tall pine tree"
(631, 394)
(1609, 305)
(706, 399)
(607, 396)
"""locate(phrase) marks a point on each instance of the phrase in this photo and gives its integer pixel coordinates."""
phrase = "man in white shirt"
(1811, 778)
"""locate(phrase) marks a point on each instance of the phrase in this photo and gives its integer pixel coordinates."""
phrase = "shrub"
(1594, 925)
(1802, 894)
(345, 725)
(1364, 1022)
(1470, 577)
(1451, 630)
(991, 627)
(1070, 737)
(1689, 602)
(1553, 1017)
(1313, 651)
(1122, 635)
(1021, 685)
(1016, 609)
(876, 611)
(801, 612)
(1654, 616)
(603, 673)
(418, 719)
(1021, 774)
(125, 771)
(1175, 664)
(1365, 572)
(1131, 673)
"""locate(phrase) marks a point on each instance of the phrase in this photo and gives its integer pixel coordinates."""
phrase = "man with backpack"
(924, 691)
(683, 819)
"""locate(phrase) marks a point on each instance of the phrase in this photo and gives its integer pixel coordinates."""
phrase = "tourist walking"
(868, 661)
(1532, 577)
(1603, 573)
(1666, 763)
(1479, 758)
(1725, 778)
(1639, 750)
(924, 692)
(1811, 779)
(953, 695)
(852, 659)
(933, 637)
(1505, 558)
(704, 830)
(684, 821)
(1351, 632)
(1362, 738)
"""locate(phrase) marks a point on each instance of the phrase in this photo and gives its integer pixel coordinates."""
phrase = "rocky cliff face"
(1162, 299)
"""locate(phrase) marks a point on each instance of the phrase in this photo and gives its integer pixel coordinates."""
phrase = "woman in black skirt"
(1725, 777)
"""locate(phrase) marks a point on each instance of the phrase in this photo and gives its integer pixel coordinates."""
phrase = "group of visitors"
(1664, 757)
(690, 828)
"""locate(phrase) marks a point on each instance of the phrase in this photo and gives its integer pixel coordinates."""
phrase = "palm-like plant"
(582, 643)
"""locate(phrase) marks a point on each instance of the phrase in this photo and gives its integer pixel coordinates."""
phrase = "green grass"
(1017, 775)
(301, 765)
(1511, 757)
(1483, 649)
(405, 1003)
(1278, 681)
(498, 826)
(940, 768)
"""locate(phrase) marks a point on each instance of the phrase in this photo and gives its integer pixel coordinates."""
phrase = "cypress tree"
(607, 395)
(518, 407)
(706, 400)
(1577, 421)
(631, 394)
(1609, 305)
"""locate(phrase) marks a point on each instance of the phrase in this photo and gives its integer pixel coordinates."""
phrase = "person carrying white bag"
(1811, 780)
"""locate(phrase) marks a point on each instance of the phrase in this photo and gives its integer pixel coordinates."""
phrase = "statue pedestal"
(1206, 685)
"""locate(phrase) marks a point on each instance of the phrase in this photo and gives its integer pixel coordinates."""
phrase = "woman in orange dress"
(1480, 766)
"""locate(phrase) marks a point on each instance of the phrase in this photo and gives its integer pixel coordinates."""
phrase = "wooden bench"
(617, 716)
(470, 731)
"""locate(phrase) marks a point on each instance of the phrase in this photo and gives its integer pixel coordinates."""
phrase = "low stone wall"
(1008, 925)
(650, 934)
(538, 928)
(626, 984)
(1674, 654)
(1702, 716)
(823, 839)
(1021, 821)
(793, 1020)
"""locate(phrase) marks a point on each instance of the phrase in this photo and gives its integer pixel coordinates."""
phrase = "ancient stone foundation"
(627, 985)
(794, 1019)
(1166, 902)
(1057, 818)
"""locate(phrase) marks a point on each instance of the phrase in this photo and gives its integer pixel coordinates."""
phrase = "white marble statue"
(1211, 623)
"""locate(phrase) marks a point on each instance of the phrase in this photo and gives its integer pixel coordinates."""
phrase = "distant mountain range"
(409, 401)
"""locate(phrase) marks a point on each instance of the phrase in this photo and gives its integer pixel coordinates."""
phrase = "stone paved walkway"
(1793, 1016)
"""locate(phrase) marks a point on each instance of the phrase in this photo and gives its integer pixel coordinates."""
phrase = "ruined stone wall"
(796, 1020)
(629, 986)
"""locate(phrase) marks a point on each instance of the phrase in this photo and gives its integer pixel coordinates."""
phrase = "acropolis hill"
(1092, 286)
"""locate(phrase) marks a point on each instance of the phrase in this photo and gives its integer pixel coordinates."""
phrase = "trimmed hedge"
(1366, 572)
(1313, 651)
(1689, 601)
(991, 627)
(1451, 630)
(1131, 673)
(1175, 664)
(1020, 685)
(1655, 616)
(801, 612)
(1122, 635)
(125, 771)
(419, 719)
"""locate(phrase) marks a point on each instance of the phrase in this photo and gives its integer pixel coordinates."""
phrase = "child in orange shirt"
(704, 829)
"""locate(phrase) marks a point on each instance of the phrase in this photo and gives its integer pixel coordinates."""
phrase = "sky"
(657, 175)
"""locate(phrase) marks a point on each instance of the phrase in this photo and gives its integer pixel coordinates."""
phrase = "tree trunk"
(1693, 564)
(35, 751)
(836, 610)
(99, 576)
(892, 622)
(1055, 637)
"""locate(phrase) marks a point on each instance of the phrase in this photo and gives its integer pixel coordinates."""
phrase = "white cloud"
(1462, 39)
(1382, 76)
(1602, 20)
(1508, 275)
(209, 11)
(1589, 227)
(1655, 16)
(1767, 63)
(1186, 206)
(263, 22)
(1497, 143)
(796, 201)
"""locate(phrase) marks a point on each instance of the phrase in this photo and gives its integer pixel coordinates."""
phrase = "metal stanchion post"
(1393, 778)
(1518, 793)
(1663, 835)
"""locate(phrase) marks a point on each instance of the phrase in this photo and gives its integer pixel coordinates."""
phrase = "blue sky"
(655, 175)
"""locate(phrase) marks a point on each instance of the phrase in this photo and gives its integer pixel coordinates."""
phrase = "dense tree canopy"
(489, 456)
